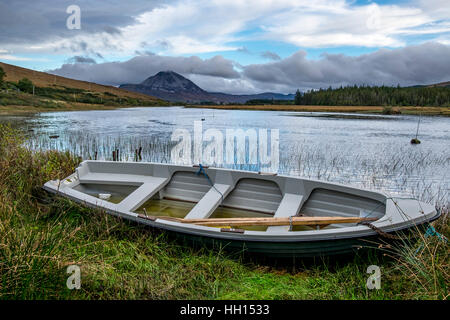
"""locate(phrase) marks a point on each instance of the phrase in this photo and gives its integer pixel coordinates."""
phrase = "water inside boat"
(224, 212)
(249, 198)
(176, 199)
(179, 209)
(116, 193)
(166, 207)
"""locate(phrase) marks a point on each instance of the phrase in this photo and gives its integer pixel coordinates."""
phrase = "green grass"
(42, 235)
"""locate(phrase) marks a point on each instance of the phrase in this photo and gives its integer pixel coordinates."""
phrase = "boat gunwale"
(211, 232)
(248, 235)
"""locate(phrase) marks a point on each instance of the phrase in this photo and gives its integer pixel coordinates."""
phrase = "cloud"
(13, 58)
(80, 59)
(24, 21)
(201, 26)
(339, 23)
(7, 55)
(40, 26)
(420, 64)
(141, 67)
(270, 55)
(243, 50)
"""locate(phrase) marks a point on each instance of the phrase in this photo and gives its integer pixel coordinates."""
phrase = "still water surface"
(370, 151)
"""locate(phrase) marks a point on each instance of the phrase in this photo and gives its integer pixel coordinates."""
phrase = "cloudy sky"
(234, 46)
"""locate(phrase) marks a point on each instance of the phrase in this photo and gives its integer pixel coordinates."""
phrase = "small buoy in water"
(104, 196)
(203, 119)
(54, 137)
(415, 141)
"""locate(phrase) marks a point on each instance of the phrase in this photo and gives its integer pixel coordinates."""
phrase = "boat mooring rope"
(379, 231)
(202, 170)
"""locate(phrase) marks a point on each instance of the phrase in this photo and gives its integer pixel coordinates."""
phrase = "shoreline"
(12, 110)
(427, 111)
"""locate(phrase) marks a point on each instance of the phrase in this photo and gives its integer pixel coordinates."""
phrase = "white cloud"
(201, 26)
(345, 25)
(13, 58)
(7, 55)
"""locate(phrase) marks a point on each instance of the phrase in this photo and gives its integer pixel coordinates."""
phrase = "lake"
(370, 151)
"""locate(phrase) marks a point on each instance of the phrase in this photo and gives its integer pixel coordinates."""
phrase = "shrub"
(390, 110)
(25, 85)
(2, 75)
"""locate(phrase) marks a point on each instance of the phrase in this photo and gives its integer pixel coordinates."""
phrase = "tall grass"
(41, 236)
(425, 260)
(401, 170)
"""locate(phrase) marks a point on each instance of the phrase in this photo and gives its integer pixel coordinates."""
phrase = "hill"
(441, 84)
(171, 86)
(43, 79)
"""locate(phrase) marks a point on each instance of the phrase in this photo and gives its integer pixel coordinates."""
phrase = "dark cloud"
(24, 21)
(111, 30)
(270, 55)
(420, 64)
(164, 44)
(141, 67)
(243, 50)
(80, 59)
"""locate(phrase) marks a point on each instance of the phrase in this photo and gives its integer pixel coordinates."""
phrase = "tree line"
(376, 96)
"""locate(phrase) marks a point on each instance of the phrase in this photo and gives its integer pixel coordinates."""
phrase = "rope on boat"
(202, 170)
(379, 231)
(431, 231)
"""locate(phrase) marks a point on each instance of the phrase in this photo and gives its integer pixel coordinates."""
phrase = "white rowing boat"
(267, 213)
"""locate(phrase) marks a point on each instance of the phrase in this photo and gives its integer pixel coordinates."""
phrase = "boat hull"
(283, 196)
(300, 249)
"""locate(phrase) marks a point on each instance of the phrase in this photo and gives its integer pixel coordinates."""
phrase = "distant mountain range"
(171, 86)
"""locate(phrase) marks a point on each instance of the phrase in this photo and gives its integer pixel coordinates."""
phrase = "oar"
(295, 221)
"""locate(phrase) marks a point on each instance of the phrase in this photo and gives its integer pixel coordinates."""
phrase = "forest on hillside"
(376, 96)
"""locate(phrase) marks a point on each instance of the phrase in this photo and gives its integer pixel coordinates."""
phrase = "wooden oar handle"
(214, 222)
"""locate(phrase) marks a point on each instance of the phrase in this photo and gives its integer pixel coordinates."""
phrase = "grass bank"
(50, 99)
(435, 111)
(19, 109)
(42, 235)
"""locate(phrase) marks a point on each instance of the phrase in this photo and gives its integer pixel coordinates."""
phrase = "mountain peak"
(170, 81)
(167, 73)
